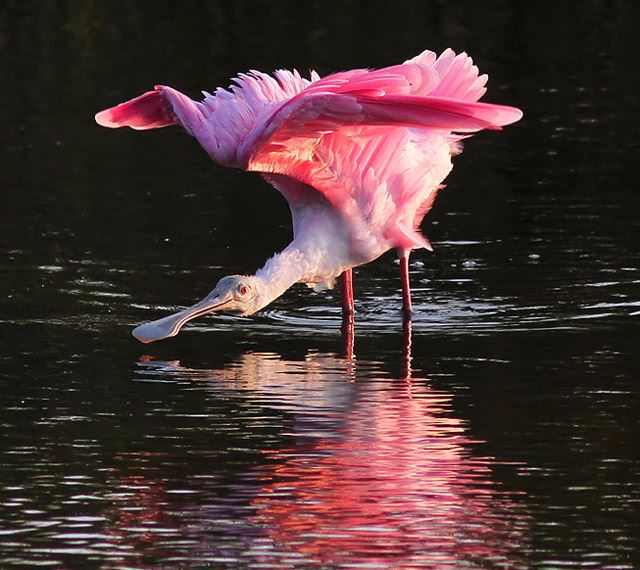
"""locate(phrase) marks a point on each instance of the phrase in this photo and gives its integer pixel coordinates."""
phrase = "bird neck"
(317, 255)
(279, 273)
(303, 260)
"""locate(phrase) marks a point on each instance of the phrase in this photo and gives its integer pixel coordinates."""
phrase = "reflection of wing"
(377, 143)
(395, 476)
(374, 473)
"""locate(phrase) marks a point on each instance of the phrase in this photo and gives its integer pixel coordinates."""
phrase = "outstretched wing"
(162, 107)
(377, 144)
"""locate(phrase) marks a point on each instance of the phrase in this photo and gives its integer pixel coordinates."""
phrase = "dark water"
(505, 436)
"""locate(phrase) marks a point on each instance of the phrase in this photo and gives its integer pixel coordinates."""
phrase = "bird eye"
(242, 289)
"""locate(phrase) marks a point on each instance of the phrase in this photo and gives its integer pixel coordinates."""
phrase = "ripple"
(445, 316)
(454, 295)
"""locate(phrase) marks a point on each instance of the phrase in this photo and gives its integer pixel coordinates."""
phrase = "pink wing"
(154, 109)
(378, 144)
(424, 92)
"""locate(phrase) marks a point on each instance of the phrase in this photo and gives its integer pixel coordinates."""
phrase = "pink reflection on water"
(379, 473)
(397, 484)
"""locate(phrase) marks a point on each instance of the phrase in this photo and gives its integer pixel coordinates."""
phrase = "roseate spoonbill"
(359, 156)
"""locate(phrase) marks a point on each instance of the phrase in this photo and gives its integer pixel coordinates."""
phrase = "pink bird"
(359, 156)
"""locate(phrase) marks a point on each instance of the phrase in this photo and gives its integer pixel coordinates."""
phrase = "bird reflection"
(396, 483)
(372, 471)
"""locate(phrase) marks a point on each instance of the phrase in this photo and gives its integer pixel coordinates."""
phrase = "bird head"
(234, 294)
(237, 294)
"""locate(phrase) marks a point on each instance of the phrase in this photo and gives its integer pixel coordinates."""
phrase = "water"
(500, 432)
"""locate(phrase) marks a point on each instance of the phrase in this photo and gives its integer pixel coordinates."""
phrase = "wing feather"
(378, 144)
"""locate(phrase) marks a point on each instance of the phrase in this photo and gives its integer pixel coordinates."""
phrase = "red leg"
(406, 286)
(348, 335)
(346, 288)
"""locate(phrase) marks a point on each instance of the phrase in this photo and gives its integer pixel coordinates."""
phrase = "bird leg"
(348, 336)
(403, 254)
(346, 289)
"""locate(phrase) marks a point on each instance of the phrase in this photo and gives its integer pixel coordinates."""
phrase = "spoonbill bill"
(359, 156)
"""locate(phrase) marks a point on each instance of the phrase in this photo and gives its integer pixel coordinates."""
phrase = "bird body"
(358, 155)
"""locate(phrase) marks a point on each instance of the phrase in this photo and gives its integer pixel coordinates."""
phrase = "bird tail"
(161, 107)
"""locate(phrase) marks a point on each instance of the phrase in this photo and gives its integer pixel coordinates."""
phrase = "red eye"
(242, 289)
